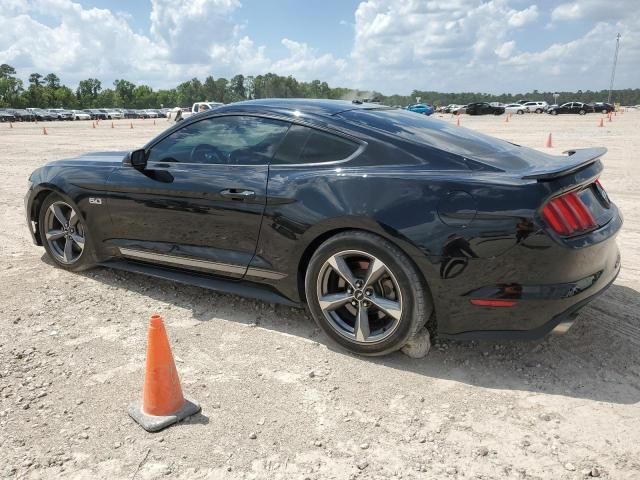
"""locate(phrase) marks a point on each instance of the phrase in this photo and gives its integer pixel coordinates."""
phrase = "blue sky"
(393, 46)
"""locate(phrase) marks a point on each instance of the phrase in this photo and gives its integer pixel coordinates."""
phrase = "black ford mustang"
(381, 221)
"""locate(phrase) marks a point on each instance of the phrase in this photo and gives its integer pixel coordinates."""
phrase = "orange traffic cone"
(549, 143)
(162, 401)
(44, 131)
(131, 125)
(601, 122)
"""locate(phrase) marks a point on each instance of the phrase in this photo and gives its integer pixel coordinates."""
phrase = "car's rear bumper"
(557, 325)
(538, 285)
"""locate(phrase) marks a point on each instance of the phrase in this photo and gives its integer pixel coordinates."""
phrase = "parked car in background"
(97, 114)
(449, 108)
(423, 108)
(195, 108)
(602, 107)
(129, 113)
(61, 113)
(459, 109)
(150, 113)
(41, 115)
(483, 108)
(113, 114)
(7, 116)
(21, 114)
(571, 107)
(516, 108)
(80, 115)
(536, 107)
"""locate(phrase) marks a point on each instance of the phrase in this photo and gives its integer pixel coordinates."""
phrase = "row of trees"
(48, 92)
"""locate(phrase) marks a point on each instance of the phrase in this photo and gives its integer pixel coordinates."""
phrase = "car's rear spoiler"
(575, 160)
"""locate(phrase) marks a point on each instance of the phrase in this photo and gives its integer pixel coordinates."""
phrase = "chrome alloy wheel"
(64, 232)
(359, 296)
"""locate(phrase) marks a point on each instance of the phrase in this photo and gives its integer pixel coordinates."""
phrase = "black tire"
(417, 307)
(87, 258)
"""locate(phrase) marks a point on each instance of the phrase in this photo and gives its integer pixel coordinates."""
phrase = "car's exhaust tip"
(564, 326)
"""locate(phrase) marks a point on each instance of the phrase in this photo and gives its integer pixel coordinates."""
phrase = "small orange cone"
(162, 401)
(549, 143)
(601, 122)
(131, 125)
(44, 131)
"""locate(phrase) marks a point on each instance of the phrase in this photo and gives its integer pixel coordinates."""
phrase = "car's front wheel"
(64, 234)
(366, 294)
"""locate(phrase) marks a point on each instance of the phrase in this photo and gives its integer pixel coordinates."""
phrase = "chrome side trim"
(262, 273)
(182, 261)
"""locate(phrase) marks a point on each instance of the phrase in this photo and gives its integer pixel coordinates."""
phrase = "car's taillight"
(568, 215)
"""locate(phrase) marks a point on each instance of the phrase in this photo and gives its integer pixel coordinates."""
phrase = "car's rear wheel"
(538, 110)
(64, 234)
(366, 294)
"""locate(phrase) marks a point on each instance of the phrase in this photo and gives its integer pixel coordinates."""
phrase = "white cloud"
(597, 10)
(523, 17)
(398, 45)
(506, 49)
(304, 62)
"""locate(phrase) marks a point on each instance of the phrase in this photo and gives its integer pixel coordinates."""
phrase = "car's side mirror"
(138, 159)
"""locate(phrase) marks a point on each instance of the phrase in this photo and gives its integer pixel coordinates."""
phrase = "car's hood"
(102, 159)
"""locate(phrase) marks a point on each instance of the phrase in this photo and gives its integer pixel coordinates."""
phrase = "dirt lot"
(72, 350)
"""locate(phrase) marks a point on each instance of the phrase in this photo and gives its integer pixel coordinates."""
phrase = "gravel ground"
(277, 400)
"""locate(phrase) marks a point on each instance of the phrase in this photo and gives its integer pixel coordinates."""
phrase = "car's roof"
(313, 106)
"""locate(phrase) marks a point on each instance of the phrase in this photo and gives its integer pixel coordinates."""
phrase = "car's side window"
(309, 145)
(230, 140)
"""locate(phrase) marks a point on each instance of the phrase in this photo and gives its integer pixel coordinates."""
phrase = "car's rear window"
(428, 131)
(308, 145)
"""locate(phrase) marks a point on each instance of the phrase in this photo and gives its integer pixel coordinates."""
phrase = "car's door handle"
(237, 193)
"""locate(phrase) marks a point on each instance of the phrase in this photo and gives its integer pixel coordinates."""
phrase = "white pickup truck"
(196, 109)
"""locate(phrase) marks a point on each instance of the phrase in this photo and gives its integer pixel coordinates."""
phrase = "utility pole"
(613, 69)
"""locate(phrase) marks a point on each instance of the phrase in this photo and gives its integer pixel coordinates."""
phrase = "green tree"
(87, 92)
(11, 87)
(124, 92)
